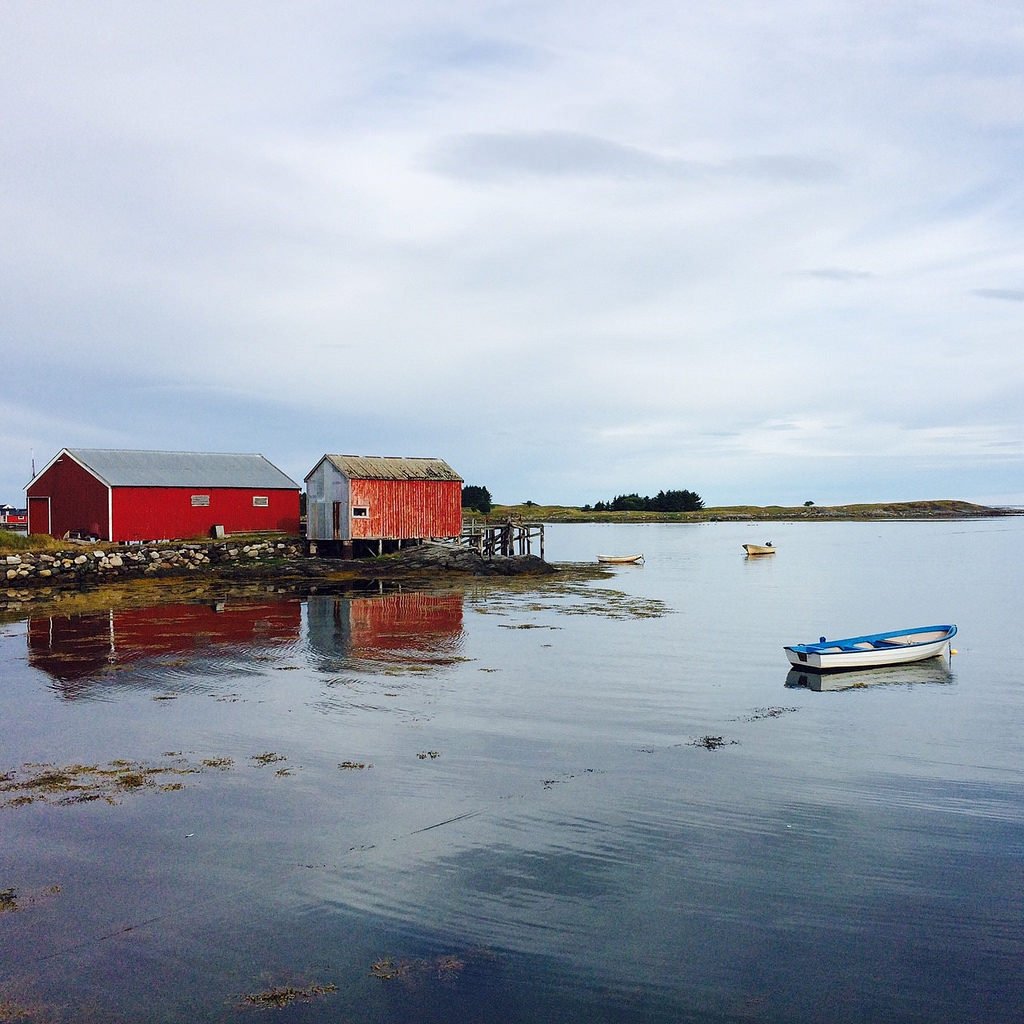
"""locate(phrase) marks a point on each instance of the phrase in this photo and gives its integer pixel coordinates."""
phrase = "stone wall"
(86, 565)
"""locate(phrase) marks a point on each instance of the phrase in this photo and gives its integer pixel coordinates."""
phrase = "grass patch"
(15, 542)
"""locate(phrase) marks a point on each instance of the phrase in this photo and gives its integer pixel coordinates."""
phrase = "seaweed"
(284, 995)
(84, 783)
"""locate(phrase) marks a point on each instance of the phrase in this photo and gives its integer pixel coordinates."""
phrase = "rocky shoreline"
(35, 575)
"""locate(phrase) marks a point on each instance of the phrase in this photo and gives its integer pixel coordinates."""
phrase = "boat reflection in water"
(935, 670)
(407, 629)
(79, 651)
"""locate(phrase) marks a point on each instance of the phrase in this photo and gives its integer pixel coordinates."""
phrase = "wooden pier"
(506, 538)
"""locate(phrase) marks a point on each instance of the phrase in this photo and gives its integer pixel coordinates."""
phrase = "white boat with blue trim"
(897, 647)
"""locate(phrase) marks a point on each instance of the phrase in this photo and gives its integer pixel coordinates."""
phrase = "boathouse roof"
(388, 467)
(123, 468)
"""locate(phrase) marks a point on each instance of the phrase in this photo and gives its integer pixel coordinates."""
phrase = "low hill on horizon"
(945, 508)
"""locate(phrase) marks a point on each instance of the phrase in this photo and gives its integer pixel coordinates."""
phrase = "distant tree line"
(663, 501)
(476, 497)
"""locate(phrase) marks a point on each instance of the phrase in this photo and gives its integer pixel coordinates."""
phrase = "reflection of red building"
(397, 622)
(76, 647)
(385, 626)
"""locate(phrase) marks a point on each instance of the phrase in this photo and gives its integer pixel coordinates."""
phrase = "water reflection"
(78, 650)
(936, 670)
(405, 628)
(82, 652)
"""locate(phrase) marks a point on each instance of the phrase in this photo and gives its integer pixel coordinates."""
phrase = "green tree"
(663, 501)
(629, 503)
(676, 501)
(478, 498)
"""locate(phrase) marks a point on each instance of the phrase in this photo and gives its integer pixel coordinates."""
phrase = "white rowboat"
(897, 647)
(759, 549)
(620, 559)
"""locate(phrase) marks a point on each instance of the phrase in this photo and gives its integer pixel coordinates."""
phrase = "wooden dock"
(506, 538)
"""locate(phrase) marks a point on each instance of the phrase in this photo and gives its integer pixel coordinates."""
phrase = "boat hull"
(620, 559)
(759, 549)
(898, 647)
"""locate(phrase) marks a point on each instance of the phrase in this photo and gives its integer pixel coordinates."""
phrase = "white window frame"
(360, 511)
(261, 501)
(200, 501)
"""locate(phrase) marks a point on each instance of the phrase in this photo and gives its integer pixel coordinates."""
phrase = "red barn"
(121, 495)
(382, 500)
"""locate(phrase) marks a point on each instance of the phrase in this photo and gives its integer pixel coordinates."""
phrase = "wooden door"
(38, 515)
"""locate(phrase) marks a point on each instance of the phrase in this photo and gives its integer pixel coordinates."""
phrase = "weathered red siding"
(78, 501)
(158, 513)
(400, 509)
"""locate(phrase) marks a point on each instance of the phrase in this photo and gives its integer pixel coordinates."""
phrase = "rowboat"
(897, 647)
(759, 549)
(620, 559)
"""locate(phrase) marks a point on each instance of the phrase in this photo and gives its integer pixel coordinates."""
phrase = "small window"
(260, 501)
(200, 500)
(360, 512)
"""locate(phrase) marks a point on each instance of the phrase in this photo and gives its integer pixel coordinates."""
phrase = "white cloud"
(679, 244)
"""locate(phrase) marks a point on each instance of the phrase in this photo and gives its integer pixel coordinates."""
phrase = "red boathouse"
(119, 495)
(376, 503)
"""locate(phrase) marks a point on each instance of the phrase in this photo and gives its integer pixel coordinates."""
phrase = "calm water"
(492, 805)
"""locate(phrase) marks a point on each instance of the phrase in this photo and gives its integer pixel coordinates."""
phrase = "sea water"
(569, 799)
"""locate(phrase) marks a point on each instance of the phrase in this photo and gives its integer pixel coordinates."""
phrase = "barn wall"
(404, 509)
(325, 486)
(159, 513)
(78, 501)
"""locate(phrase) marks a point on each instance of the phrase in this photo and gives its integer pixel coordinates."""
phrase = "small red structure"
(381, 501)
(13, 518)
(118, 495)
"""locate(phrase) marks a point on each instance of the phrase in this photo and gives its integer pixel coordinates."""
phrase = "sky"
(770, 253)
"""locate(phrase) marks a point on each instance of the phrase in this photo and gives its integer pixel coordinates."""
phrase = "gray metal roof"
(119, 468)
(386, 467)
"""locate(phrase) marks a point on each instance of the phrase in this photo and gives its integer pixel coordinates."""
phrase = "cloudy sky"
(766, 252)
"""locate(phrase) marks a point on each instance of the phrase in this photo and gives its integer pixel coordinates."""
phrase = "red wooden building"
(381, 501)
(119, 495)
(12, 518)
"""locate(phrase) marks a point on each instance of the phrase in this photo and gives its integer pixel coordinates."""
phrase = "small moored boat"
(620, 559)
(759, 549)
(897, 647)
